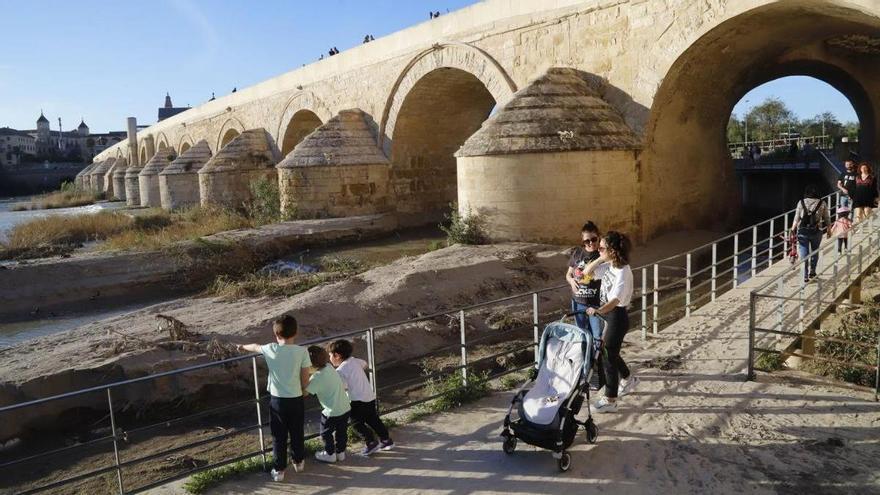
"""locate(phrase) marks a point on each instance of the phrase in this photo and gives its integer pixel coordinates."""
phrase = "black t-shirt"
(587, 292)
(848, 180)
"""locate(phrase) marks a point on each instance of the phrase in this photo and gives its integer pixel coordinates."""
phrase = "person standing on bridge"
(612, 266)
(865, 194)
(846, 184)
(811, 221)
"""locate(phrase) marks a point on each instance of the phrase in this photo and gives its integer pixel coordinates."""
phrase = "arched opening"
(443, 109)
(142, 157)
(785, 134)
(301, 125)
(183, 147)
(228, 136)
(688, 171)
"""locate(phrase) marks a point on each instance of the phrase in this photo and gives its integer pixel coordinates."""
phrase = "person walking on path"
(846, 184)
(585, 288)
(612, 266)
(865, 194)
(841, 229)
(811, 221)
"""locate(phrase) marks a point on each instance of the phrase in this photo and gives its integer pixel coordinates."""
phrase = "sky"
(105, 60)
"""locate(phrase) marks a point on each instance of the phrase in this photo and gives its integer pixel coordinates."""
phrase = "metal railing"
(666, 291)
(823, 142)
(785, 311)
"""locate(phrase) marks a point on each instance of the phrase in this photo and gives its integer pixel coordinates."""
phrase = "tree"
(769, 119)
(735, 130)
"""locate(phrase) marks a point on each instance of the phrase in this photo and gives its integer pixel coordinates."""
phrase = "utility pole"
(59, 134)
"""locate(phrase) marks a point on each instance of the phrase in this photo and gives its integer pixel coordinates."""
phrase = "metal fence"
(666, 291)
(786, 312)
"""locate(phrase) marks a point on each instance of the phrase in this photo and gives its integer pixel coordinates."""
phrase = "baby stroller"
(545, 413)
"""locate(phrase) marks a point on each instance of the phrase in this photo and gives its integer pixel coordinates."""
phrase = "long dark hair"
(618, 247)
(811, 191)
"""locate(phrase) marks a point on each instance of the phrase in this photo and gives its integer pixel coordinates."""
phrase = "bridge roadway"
(696, 428)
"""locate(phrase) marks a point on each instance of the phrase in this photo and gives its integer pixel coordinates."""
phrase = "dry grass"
(68, 197)
(66, 229)
(164, 229)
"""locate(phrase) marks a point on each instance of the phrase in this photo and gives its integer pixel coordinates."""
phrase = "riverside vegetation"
(69, 196)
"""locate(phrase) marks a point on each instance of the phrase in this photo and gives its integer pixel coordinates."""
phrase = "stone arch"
(685, 139)
(451, 55)
(185, 143)
(301, 125)
(301, 101)
(161, 141)
(142, 155)
(228, 131)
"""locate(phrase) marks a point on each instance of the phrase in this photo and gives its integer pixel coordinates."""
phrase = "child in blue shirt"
(288, 377)
(327, 386)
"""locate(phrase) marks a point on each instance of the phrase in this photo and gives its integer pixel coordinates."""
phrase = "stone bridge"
(534, 113)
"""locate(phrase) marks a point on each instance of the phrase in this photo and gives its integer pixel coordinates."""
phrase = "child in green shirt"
(288, 376)
(327, 386)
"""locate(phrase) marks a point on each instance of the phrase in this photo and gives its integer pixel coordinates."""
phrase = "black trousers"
(334, 432)
(287, 418)
(365, 420)
(842, 244)
(615, 368)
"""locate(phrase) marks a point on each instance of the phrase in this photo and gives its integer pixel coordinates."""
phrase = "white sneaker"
(277, 475)
(603, 405)
(325, 457)
(340, 456)
(628, 386)
(299, 466)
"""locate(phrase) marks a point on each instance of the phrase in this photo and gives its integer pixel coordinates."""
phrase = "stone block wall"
(547, 197)
(334, 191)
(231, 188)
(179, 191)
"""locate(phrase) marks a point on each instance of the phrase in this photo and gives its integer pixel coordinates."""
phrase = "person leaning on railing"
(811, 221)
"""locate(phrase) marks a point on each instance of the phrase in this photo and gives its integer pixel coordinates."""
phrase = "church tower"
(43, 128)
(83, 129)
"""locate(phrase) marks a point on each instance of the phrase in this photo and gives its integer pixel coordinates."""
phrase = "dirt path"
(695, 428)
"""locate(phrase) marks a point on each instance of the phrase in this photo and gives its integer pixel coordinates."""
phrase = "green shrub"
(769, 361)
(264, 206)
(467, 228)
(342, 264)
(455, 393)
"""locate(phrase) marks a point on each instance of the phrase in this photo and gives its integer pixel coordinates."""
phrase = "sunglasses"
(590, 240)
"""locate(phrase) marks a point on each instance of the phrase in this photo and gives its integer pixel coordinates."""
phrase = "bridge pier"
(148, 178)
(179, 181)
(226, 178)
(118, 178)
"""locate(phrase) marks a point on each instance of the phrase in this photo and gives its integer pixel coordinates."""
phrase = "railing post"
(259, 411)
(714, 269)
(655, 309)
(861, 267)
(735, 260)
(687, 283)
(834, 277)
(115, 443)
(464, 373)
(535, 324)
(754, 250)
(371, 361)
(644, 302)
(877, 372)
(818, 296)
(750, 373)
(770, 246)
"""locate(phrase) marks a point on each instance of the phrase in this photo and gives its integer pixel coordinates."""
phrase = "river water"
(9, 218)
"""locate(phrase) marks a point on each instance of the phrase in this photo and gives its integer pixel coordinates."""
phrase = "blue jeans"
(585, 322)
(843, 200)
(807, 244)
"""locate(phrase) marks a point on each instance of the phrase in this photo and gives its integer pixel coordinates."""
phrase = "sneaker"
(603, 405)
(299, 466)
(813, 275)
(370, 448)
(277, 475)
(325, 457)
(340, 456)
(628, 385)
(386, 444)
(595, 384)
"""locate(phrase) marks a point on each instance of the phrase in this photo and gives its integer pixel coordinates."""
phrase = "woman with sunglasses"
(585, 289)
(612, 267)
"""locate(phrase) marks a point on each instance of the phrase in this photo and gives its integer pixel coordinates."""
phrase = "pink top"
(841, 228)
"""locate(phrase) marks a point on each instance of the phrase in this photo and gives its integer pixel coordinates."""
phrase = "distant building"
(170, 110)
(36, 145)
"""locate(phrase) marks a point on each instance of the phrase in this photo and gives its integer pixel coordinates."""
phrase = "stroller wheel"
(592, 431)
(509, 445)
(564, 461)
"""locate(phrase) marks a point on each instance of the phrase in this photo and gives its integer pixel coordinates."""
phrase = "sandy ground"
(696, 428)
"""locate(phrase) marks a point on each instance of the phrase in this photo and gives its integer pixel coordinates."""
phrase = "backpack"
(809, 225)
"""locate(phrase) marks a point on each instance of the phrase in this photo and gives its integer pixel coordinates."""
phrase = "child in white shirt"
(364, 413)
